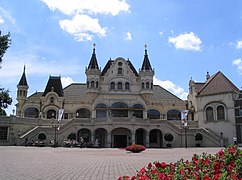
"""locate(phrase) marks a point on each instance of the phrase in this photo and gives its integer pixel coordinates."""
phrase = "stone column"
(109, 140)
(147, 140)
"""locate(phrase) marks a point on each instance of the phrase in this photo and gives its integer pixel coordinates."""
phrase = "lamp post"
(221, 139)
(185, 124)
(55, 126)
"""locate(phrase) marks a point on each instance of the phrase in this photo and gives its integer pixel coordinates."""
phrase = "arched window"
(151, 85)
(101, 110)
(220, 112)
(147, 85)
(209, 114)
(119, 110)
(31, 112)
(97, 84)
(120, 85)
(143, 85)
(92, 84)
(52, 100)
(173, 115)
(83, 113)
(112, 85)
(87, 84)
(120, 71)
(138, 110)
(153, 114)
(51, 114)
(127, 85)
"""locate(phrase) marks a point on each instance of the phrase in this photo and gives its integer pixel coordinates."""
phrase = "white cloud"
(1, 20)
(81, 26)
(161, 33)
(170, 86)
(238, 63)
(239, 45)
(66, 81)
(113, 7)
(128, 36)
(186, 41)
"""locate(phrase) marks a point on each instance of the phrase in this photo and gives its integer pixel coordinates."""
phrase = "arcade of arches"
(122, 137)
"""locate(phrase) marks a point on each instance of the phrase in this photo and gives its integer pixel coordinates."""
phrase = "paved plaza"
(46, 163)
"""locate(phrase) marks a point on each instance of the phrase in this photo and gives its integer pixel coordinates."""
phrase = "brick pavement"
(45, 163)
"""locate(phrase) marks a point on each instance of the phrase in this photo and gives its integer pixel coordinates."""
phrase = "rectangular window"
(3, 133)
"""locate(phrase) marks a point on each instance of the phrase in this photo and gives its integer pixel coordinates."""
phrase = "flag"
(60, 114)
(184, 114)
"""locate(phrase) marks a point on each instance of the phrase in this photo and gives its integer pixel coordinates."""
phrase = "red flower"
(141, 171)
(162, 176)
(163, 165)
(158, 165)
(232, 150)
(149, 165)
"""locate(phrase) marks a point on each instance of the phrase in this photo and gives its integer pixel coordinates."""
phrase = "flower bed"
(226, 164)
(135, 148)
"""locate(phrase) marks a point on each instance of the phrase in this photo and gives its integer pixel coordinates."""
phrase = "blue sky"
(185, 39)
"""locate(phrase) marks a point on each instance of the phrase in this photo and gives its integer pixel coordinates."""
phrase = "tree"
(72, 136)
(5, 101)
(169, 137)
(5, 41)
(42, 136)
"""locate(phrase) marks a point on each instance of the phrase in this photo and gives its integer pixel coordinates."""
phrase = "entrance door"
(120, 141)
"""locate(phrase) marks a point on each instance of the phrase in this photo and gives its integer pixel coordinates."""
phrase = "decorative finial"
(94, 45)
(145, 49)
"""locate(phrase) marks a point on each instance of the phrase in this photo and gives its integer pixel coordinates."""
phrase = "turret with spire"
(22, 92)
(146, 74)
(93, 74)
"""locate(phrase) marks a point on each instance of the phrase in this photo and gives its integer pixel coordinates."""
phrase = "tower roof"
(23, 80)
(54, 85)
(146, 63)
(93, 62)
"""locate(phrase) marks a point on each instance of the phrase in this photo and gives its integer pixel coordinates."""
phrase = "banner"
(60, 114)
(184, 114)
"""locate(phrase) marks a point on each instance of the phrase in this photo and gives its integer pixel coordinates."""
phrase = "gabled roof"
(146, 63)
(106, 67)
(93, 62)
(218, 83)
(109, 63)
(198, 86)
(23, 80)
(54, 85)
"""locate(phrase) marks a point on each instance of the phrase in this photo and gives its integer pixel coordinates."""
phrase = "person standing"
(81, 141)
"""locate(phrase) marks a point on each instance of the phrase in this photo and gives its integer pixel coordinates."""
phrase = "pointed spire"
(146, 63)
(23, 80)
(93, 62)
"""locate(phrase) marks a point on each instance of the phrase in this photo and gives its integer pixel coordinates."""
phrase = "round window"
(120, 63)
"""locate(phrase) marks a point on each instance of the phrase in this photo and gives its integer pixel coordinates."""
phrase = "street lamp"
(185, 124)
(55, 125)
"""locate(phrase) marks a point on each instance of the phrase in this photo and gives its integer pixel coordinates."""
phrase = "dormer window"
(52, 100)
(120, 71)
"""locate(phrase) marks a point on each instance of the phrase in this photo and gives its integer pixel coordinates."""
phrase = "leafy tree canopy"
(5, 101)
(5, 41)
